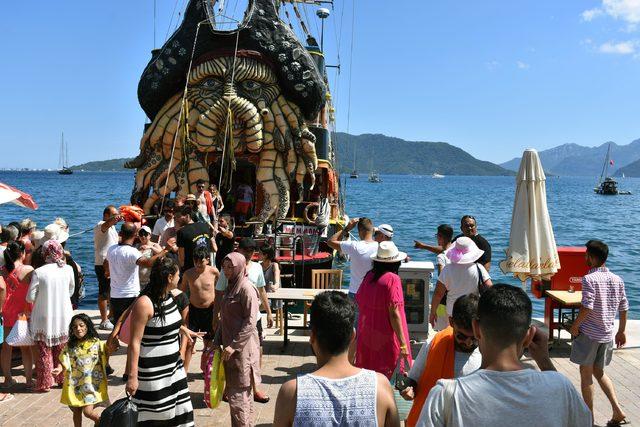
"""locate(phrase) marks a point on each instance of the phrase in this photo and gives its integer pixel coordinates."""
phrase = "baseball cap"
(385, 229)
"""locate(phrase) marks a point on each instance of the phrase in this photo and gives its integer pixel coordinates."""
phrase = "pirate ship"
(245, 107)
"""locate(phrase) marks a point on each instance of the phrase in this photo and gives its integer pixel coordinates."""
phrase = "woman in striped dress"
(157, 379)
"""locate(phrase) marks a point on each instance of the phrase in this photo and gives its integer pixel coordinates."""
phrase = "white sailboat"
(64, 158)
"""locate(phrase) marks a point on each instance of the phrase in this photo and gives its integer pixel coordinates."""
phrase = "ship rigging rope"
(181, 116)
(228, 130)
(353, 26)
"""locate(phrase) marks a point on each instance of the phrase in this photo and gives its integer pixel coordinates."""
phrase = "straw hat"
(464, 251)
(54, 232)
(191, 198)
(36, 236)
(388, 252)
(62, 223)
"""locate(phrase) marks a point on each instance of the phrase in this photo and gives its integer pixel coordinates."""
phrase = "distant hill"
(576, 160)
(396, 156)
(385, 154)
(631, 170)
(103, 165)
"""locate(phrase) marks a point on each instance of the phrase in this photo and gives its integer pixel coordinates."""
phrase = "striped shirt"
(602, 293)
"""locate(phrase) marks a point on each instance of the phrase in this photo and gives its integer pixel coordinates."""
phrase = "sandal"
(9, 386)
(616, 423)
(7, 397)
(261, 397)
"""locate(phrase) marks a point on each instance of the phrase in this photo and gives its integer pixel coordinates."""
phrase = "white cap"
(385, 229)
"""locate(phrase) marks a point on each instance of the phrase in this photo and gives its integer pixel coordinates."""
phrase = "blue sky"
(491, 77)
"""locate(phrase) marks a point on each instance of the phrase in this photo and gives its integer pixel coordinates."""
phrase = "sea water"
(413, 205)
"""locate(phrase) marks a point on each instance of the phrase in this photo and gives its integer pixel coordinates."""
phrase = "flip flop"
(7, 397)
(614, 423)
(261, 398)
(9, 386)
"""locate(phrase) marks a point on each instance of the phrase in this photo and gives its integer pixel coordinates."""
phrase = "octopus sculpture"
(255, 99)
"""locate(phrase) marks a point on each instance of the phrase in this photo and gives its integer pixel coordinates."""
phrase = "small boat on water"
(354, 172)
(64, 159)
(374, 177)
(607, 186)
(436, 175)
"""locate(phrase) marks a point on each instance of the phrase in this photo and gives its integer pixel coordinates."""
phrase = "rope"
(180, 117)
(173, 13)
(228, 129)
(353, 26)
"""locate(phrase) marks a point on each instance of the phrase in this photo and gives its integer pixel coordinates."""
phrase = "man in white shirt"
(359, 252)
(104, 236)
(121, 264)
(504, 391)
(164, 222)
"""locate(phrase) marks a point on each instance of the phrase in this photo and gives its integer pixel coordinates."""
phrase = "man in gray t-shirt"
(504, 392)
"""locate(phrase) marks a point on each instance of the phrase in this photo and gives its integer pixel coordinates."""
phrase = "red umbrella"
(13, 195)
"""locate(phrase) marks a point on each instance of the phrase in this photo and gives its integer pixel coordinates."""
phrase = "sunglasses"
(143, 234)
(464, 337)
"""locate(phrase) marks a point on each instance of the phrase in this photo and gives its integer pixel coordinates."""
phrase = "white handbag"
(20, 335)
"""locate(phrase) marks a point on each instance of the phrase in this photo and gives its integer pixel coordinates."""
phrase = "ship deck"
(29, 409)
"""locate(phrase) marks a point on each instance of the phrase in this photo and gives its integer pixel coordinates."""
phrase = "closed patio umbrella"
(13, 195)
(532, 251)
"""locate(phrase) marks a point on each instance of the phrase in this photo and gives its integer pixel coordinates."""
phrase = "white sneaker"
(106, 325)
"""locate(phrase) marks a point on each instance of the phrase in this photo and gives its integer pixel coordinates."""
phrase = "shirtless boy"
(200, 282)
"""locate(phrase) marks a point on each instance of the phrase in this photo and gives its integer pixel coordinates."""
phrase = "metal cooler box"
(416, 278)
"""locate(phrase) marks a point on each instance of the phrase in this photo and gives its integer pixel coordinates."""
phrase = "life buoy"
(133, 213)
(307, 212)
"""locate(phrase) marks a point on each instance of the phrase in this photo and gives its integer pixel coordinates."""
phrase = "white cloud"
(492, 65)
(625, 10)
(620, 48)
(588, 15)
(522, 65)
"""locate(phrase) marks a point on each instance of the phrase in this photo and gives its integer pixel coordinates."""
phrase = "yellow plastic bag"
(217, 380)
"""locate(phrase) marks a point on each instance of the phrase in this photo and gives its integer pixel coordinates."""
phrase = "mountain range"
(391, 155)
(385, 154)
(578, 160)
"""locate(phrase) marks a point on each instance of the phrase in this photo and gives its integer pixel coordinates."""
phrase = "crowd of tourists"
(189, 277)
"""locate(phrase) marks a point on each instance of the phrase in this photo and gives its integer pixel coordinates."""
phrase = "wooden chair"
(322, 279)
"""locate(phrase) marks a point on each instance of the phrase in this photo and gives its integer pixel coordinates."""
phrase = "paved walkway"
(29, 409)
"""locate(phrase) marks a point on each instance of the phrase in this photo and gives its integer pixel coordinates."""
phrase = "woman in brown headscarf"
(240, 344)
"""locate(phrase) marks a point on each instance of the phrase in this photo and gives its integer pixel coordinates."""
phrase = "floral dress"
(85, 378)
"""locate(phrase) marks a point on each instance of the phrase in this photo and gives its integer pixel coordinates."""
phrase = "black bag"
(122, 413)
(481, 286)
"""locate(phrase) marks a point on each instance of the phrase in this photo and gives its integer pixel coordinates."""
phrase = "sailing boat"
(608, 186)
(64, 158)
(354, 172)
(373, 174)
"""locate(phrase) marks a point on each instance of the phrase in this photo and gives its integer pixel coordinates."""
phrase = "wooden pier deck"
(32, 409)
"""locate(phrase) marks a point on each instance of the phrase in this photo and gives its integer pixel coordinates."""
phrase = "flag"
(611, 162)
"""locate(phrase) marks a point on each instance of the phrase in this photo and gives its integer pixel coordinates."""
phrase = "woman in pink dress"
(17, 277)
(382, 334)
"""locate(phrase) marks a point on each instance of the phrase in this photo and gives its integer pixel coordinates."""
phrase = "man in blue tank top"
(337, 393)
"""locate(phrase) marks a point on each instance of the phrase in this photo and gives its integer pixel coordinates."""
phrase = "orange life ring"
(305, 214)
(133, 213)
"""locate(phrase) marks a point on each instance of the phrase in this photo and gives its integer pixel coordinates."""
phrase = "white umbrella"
(532, 251)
